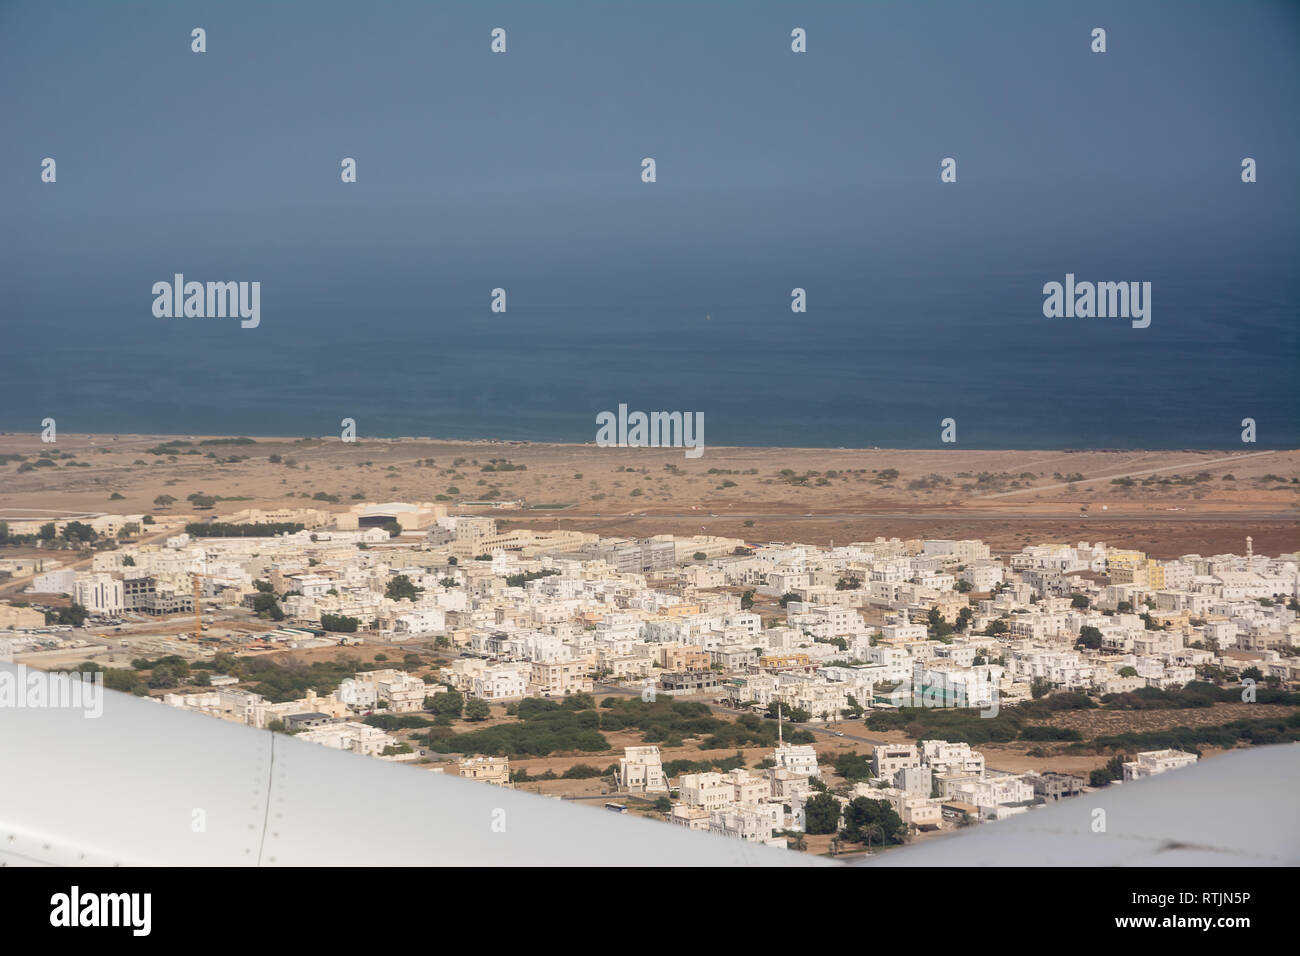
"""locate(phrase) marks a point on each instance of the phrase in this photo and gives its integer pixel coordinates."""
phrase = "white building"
(501, 681)
(1151, 762)
(99, 594)
(358, 738)
(752, 824)
(708, 790)
(641, 770)
(888, 759)
(797, 758)
(944, 757)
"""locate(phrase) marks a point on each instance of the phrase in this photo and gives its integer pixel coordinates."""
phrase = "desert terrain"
(1166, 503)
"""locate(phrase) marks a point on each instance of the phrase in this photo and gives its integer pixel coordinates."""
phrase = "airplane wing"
(147, 784)
(1235, 809)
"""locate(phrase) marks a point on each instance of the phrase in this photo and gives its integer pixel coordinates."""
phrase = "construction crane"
(198, 608)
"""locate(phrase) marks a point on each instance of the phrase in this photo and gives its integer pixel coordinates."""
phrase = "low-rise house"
(1152, 762)
(493, 770)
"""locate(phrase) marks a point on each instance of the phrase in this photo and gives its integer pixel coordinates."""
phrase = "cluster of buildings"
(828, 632)
(926, 784)
(548, 613)
(745, 804)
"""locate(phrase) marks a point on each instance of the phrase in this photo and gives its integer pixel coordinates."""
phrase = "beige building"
(410, 517)
(710, 791)
(786, 786)
(494, 770)
(677, 657)
(308, 517)
(693, 818)
(556, 679)
(641, 770)
(747, 787)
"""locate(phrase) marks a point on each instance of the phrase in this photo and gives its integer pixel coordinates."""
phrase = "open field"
(1153, 501)
(1106, 723)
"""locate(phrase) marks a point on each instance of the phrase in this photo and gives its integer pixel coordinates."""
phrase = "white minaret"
(1250, 549)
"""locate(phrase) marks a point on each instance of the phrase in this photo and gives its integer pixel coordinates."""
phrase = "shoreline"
(1163, 502)
(230, 437)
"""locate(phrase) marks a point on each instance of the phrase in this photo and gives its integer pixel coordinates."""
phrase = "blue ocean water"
(776, 170)
(878, 360)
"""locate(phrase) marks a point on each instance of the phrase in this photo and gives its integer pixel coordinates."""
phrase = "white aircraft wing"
(147, 784)
(1235, 809)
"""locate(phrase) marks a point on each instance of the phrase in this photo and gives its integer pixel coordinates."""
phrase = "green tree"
(75, 530)
(1089, 637)
(874, 821)
(939, 627)
(265, 605)
(74, 615)
(796, 715)
(821, 814)
(477, 709)
(450, 703)
(402, 588)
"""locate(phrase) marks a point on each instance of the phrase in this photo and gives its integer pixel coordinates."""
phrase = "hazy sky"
(523, 170)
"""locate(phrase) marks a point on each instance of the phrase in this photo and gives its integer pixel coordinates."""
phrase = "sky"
(522, 170)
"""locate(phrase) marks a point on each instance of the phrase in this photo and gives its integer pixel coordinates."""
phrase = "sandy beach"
(1154, 501)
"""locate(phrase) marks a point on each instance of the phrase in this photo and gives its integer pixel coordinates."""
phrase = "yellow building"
(1126, 560)
(784, 662)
